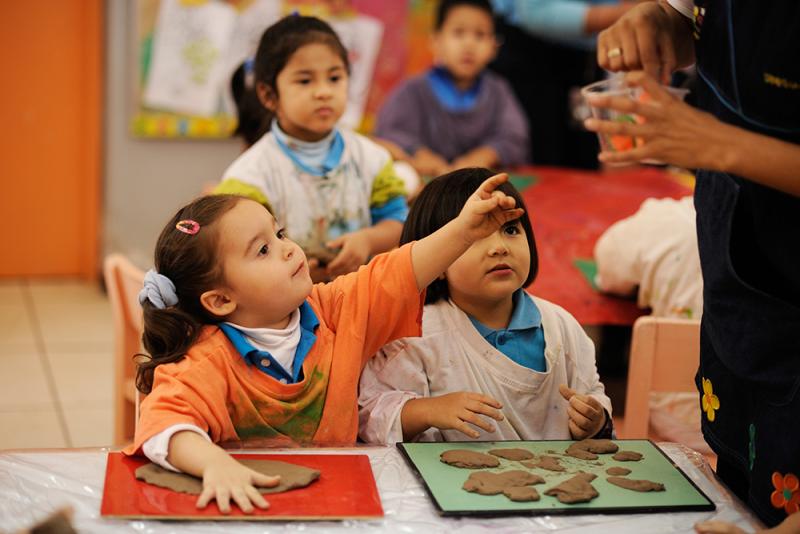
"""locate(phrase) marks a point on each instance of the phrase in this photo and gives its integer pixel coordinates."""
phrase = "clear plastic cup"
(615, 86)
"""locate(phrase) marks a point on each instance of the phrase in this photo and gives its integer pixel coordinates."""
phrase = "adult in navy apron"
(748, 62)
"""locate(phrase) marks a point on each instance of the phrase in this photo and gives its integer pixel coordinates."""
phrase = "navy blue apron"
(748, 58)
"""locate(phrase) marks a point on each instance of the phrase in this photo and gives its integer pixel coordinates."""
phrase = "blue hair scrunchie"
(159, 290)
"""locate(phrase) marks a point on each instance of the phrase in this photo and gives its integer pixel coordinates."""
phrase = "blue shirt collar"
(251, 355)
(448, 94)
(316, 159)
(525, 315)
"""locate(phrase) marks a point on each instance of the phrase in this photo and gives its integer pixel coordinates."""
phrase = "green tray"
(443, 482)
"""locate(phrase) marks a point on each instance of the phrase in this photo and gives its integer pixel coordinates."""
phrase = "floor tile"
(65, 291)
(16, 326)
(90, 427)
(85, 324)
(12, 292)
(23, 383)
(31, 430)
(83, 378)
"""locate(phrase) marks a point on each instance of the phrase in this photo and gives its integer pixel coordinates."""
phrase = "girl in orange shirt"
(242, 346)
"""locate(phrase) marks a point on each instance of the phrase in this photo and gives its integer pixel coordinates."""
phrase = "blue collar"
(309, 164)
(256, 357)
(525, 315)
(448, 94)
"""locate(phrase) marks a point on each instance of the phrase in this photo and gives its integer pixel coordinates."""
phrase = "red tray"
(345, 490)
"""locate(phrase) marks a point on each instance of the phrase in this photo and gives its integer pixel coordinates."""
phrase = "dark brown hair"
(442, 200)
(192, 263)
(445, 6)
(283, 39)
(252, 117)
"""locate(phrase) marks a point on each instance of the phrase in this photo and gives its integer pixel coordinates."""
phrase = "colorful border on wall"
(404, 51)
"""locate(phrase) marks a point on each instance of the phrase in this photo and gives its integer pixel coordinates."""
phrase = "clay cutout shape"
(489, 483)
(522, 494)
(468, 459)
(512, 484)
(618, 471)
(627, 456)
(636, 485)
(292, 476)
(575, 490)
(588, 449)
(549, 463)
(512, 454)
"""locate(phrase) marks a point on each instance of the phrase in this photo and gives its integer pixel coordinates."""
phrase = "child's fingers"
(205, 497)
(485, 409)
(336, 243)
(566, 391)
(490, 184)
(585, 410)
(475, 419)
(486, 399)
(583, 405)
(240, 498)
(576, 431)
(224, 500)
(579, 419)
(256, 497)
(465, 429)
(265, 481)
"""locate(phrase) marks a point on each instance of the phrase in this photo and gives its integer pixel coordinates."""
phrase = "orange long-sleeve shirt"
(215, 389)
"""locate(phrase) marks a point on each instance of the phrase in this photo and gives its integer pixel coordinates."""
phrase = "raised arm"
(486, 211)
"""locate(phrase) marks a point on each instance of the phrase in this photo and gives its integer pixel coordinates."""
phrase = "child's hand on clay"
(487, 210)
(225, 479)
(586, 415)
(458, 411)
(356, 248)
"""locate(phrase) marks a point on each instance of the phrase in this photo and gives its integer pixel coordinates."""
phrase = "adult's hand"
(652, 36)
(672, 131)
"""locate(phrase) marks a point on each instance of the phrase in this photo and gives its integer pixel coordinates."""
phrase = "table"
(33, 483)
(569, 210)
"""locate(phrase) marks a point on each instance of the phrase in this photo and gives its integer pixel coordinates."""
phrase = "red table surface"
(569, 210)
(345, 490)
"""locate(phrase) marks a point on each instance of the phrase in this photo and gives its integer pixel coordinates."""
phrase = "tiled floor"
(56, 365)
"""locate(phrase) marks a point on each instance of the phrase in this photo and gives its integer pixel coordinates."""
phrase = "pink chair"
(123, 282)
(664, 357)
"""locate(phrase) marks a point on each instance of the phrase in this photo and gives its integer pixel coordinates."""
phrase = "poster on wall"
(188, 50)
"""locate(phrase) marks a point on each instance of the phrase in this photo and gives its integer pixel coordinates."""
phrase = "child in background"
(654, 252)
(489, 350)
(335, 192)
(243, 348)
(457, 114)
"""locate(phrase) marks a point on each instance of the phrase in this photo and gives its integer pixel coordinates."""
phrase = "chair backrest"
(124, 281)
(664, 357)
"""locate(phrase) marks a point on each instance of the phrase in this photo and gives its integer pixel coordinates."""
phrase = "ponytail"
(168, 333)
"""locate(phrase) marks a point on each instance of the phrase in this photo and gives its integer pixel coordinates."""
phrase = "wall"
(146, 180)
(50, 102)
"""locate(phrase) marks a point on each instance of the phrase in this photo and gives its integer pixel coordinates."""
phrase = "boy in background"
(457, 114)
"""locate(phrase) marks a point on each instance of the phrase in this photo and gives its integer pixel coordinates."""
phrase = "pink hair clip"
(188, 226)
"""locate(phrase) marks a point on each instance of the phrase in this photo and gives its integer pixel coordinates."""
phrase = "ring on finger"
(614, 52)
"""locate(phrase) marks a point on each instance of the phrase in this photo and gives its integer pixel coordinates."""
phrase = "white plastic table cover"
(34, 483)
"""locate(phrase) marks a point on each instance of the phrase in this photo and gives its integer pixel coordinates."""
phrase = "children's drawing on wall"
(188, 50)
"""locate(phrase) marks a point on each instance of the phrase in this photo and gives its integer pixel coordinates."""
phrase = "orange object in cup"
(616, 86)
